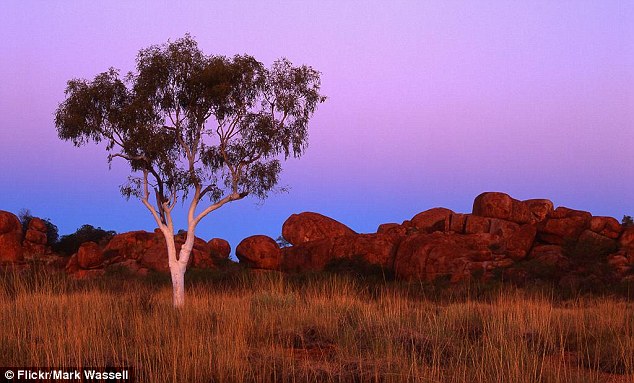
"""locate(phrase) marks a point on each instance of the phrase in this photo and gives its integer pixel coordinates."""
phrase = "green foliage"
(189, 121)
(68, 244)
(627, 221)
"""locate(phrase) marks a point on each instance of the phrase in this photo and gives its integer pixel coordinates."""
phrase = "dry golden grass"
(265, 328)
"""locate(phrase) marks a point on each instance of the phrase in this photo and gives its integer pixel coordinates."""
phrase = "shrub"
(69, 244)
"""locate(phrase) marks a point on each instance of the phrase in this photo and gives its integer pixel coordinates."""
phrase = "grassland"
(266, 327)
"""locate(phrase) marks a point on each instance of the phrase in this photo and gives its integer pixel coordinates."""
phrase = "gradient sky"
(430, 103)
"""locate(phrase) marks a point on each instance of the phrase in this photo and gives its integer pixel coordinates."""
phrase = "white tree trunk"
(177, 270)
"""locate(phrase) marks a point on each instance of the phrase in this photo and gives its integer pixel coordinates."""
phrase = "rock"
(259, 251)
(9, 223)
(385, 227)
(627, 238)
(307, 256)
(10, 238)
(539, 208)
(375, 249)
(502, 227)
(154, 257)
(150, 250)
(476, 224)
(436, 219)
(429, 256)
(10, 248)
(35, 237)
(308, 226)
(201, 254)
(564, 212)
(219, 248)
(550, 255)
(493, 205)
(457, 223)
(37, 224)
(594, 244)
(559, 230)
(89, 255)
(606, 226)
(517, 244)
(620, 264)
(130, 245)
(72, 266)
(502, 206)
(520, 213)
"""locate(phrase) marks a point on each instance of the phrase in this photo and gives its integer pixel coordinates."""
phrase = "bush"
(69, 244)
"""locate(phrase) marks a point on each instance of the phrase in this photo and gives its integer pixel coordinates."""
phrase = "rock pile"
(501, 235)
(35, 239)
(142, 251)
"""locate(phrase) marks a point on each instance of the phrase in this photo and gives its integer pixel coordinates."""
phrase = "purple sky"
(430, 104)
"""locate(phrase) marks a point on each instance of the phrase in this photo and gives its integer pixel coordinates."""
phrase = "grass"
(265, 327)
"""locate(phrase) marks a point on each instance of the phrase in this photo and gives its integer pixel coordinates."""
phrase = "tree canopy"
(186, 121)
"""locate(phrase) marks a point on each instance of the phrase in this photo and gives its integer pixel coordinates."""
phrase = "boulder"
(37, 224)
(308, 226)
(493, 205)
(550, 255)
(150, 250)
(564, 212)
(260, 252)
(559, 230)
(375, 249)
(307, 256)
(502, 206)
(89, 255)
(9, 223)
(154, 257)
(539, 208)
(72, 266)
(457, 223)
(517, 244)
(219, 248)
(476, 224)
(201, 255)
(10, 238)
(436, 219)
(606, 226)
(429, 256)
(35, 237)
(627, 238)
(594, 244)
(130, 245)
(520, 213)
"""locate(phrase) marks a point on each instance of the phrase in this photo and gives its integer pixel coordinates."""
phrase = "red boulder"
(260, 252)
(308, 226)
(89, 255)
(436, 219)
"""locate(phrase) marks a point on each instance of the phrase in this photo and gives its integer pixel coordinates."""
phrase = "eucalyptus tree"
(206, 130)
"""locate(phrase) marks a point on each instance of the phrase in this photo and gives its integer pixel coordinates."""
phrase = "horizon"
(428, 105)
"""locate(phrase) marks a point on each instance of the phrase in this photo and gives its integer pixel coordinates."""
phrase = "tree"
(206, 130)
(70, 243)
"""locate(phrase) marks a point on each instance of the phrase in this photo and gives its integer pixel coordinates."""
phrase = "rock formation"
(501, 236)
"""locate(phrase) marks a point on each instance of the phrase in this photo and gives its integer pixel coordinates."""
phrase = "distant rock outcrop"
(501, 236)
(140, 251)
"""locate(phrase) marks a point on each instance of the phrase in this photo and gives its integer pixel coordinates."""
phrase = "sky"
(430, 103)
